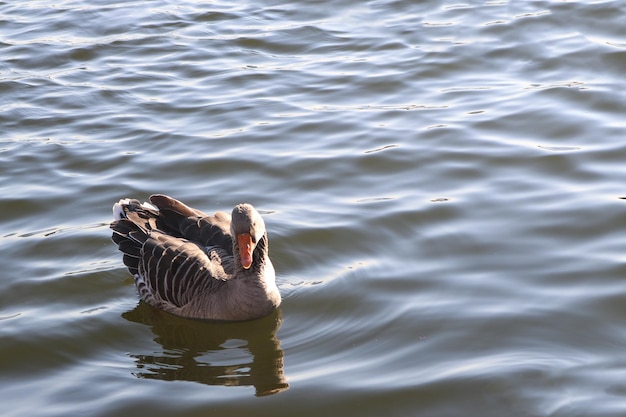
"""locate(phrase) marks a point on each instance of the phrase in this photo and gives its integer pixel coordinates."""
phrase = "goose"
(194, 265)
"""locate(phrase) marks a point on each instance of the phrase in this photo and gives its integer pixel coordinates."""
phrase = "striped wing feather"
(177, 271)
(176, 253)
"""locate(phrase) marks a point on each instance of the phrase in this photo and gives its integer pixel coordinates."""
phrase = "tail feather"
(130, 248)
(132, 263)
(118, 209)
(130, 231)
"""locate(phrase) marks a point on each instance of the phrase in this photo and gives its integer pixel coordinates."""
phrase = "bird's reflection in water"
(213, 353)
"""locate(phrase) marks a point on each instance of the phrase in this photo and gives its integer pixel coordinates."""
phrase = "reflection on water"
(213, 353)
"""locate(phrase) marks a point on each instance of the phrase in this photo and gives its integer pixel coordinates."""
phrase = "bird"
(193, 265)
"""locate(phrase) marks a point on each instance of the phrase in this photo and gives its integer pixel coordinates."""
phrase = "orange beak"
(246, 247)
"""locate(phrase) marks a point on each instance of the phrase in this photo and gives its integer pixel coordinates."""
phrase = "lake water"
(443, 184)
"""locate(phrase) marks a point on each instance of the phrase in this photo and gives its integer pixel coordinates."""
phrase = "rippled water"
(442, 182)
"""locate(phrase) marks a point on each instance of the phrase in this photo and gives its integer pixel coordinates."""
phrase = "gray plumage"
(194, 265)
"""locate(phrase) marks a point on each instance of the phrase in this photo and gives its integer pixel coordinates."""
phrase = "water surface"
(443, 185)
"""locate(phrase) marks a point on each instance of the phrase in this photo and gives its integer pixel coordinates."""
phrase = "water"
(442, 183)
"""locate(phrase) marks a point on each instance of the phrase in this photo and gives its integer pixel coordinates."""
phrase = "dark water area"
(443, 186)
